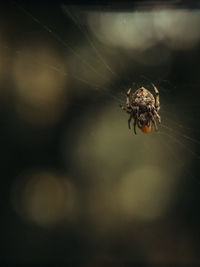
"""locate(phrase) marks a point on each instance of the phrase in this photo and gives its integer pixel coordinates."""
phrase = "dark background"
(57, 205)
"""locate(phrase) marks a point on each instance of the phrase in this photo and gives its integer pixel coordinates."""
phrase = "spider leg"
(157, 116)
(154, 123)
(122, 107)
(157, 104)
(128, 106)
(129, 121)
(135, 123)
(128, 97)
(128, 110)
(135, 112)
(154, 114)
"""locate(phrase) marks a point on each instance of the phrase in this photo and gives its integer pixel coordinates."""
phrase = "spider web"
(166, 87)
(175, 130)
(96, 135)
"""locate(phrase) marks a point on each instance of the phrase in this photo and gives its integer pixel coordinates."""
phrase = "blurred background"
(77, 186)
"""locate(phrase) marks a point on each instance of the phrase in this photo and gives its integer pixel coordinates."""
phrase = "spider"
(143, 109)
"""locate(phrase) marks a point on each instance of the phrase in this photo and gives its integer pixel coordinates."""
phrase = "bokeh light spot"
(40, 86)
(44, 198)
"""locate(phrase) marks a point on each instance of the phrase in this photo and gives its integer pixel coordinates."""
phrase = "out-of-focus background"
(77, 186)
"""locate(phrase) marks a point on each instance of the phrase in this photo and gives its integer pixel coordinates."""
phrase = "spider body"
(143, 109)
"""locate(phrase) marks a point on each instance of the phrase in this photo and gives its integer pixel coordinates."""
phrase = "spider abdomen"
(143, 97)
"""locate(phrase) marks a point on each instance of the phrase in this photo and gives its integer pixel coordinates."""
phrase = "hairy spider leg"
(136, 109)
(128, 107)
(129, 120)
(154, 123)
(157, 104)
(128, 98)
(157, 116)
(135, 123)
